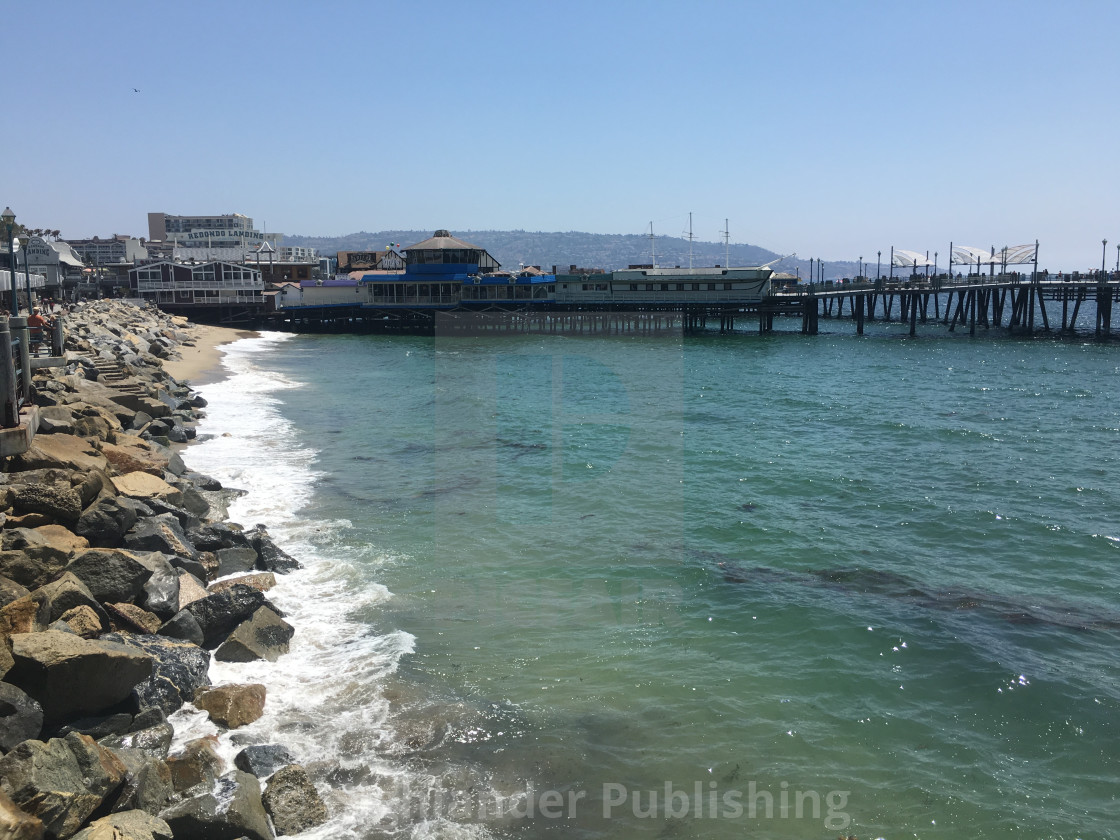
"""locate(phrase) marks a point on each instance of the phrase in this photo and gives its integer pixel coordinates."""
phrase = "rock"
(66, 593)
(220, 613)
(190, 588)
(29, 559)
(17, 824)
(61, 781)
(111, 574)
(262, 581)
(270, 557)
(49, 665)
(132, 454)
(61, 505)
(62, 538)
(292, 801)
(147, 784)
(231, 810)
(161, 590)
(160, 533)
(140, 420)
(231, 561)
(84, 621)
(106, 521)
(202, 482)
(10, 591)
(198, 763)
(126, 825)
(28, 614)
(196, 570)
(262, 760)
(21, 717)
(154, 741)
(56, 419)
(183, 625)
(179, 669)
(98, 727)
(177, 434)
(134, 618)
(184, 517)
(216, 535)
(264, 636)
(144, 486)
(29, 520)
(232, 706)
(68, 451)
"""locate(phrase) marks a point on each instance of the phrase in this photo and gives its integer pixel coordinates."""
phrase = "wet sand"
(202, 363)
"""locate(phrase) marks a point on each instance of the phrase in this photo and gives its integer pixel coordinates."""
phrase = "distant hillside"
(586, 250)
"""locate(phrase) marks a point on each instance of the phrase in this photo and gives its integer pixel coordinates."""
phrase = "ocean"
(672, 587)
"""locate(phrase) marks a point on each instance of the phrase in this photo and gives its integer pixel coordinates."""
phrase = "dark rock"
(61, 505)
(198, 401)
(10, 591)
(161, 590)
(183, 625)
(186, 519)
(231, 810)
(30, 564)
(17, 824)
(50, 665)
(232, 706)
(231, 561)
(133, 618)
(262, 760)
(292, 801)
(99, 727)
(21, 717)
(147, 718)
(179, 670)
(154, 741)
(263, 581)
(111, 574)
(270, 557)
(127, 825)
(264, 636)
(160, 533)
(203, 482)
(192, 566)
(106, 521)
(216, 535)
(147, 784)
(177, 434)
(219, 614)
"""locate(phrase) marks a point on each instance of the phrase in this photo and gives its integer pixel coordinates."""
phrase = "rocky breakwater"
(119, 580)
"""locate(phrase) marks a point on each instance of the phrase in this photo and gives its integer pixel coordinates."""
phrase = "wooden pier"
(1012, 302)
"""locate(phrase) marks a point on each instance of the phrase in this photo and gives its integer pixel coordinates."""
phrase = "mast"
(726, 245)
(690, 239)
(652, 251)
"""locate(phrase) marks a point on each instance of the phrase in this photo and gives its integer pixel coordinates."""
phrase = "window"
(727, 287)
(664, 287)
(680, 287)
(711, 287)
(633, 287)
(695, 287)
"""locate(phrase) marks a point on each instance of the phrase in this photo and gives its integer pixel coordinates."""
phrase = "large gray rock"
(51, 666)
(11, 591)
(17, 824)
(270, 557)
(126, 825)
(264, 636)
(60, 504)
(179, 669)
(64, 594)
(232, 809)
(292, 801)
(232, 706)
(154, 741)
(29, 558)
(262, 760)
(216, 535)
(232, 561)
(183, 625)
(160, 533)
(106, 521)
(111, 575)
(20, 717)
(61, 781)
(147, 785)
(220, 613)
(161, 590)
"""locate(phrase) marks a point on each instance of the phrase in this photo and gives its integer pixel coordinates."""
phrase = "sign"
(196, 235)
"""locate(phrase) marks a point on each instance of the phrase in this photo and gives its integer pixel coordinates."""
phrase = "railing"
(197, 285)
(15, 379)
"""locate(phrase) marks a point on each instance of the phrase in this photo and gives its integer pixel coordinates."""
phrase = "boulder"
(61, 781)
(262, 581)
(147, 784)
(201, 481)
(29, 560)
(133, 454)
(62, 538)
(66, 593)
(21, 717)
(161, 590)
(160, 533)
(84, 621)
(216, 535)
(49, 665)
(56, 419)
(270, 557)
(99, 726)
(183, 625)
(264, 636)
(154, 741)
(17, 824)
(28, 614)
(111, 574)
(60, 504)
(232, 706)
(262, 760)
(198, 763)
(292, 801)
(69, 451)
(232, 561)
(126, 825)
(232, 809)
(185, 518)
(179, 670)
(106, 521)
(133, 618)
(191, 588)
(219, 614)
(144, 486)
(11, 591)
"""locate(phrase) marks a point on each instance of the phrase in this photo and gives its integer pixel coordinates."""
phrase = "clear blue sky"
(833, 129)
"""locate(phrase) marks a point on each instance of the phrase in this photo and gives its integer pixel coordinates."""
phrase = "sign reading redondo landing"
(222, 234)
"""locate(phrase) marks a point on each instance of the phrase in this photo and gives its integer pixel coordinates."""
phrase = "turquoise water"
(676, 583)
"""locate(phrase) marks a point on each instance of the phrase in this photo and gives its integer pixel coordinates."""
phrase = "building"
(117, 249)
(387, 260)
(61, 266)
(220, 292)
(229, 237)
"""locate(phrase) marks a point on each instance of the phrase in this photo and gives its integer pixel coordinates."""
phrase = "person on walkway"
(36, 325)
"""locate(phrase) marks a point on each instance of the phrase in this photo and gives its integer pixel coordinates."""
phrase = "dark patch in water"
(464, 484)
(748, 507)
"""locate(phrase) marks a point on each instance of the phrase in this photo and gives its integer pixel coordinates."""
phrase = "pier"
(1017, 303)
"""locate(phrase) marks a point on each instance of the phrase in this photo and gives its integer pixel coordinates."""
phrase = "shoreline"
(200, 358)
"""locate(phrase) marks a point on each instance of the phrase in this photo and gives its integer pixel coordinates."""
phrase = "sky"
(831, 129)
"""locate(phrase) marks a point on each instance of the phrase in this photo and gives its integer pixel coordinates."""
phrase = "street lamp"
(1104, 246)
(9, 220)
(860, 267)
(878, 259)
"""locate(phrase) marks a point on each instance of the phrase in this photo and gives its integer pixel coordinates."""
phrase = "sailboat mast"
(726, 245)
(652, 250)
(690, 239)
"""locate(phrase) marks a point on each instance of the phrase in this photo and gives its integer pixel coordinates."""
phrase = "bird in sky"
(136, 90)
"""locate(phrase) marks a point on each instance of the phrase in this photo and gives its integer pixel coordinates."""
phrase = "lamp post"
(9, 220)
(860, 267)
(878, 260)
(1104, 247)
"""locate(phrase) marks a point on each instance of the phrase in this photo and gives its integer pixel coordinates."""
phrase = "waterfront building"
(212, 290)
(228, 237)
(387, 260)
(61, 266)
(116, 249)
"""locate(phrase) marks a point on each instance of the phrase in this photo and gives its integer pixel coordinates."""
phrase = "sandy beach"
(201, 364)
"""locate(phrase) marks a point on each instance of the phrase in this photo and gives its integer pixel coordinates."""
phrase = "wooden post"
(18, 326)
(8, 378)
